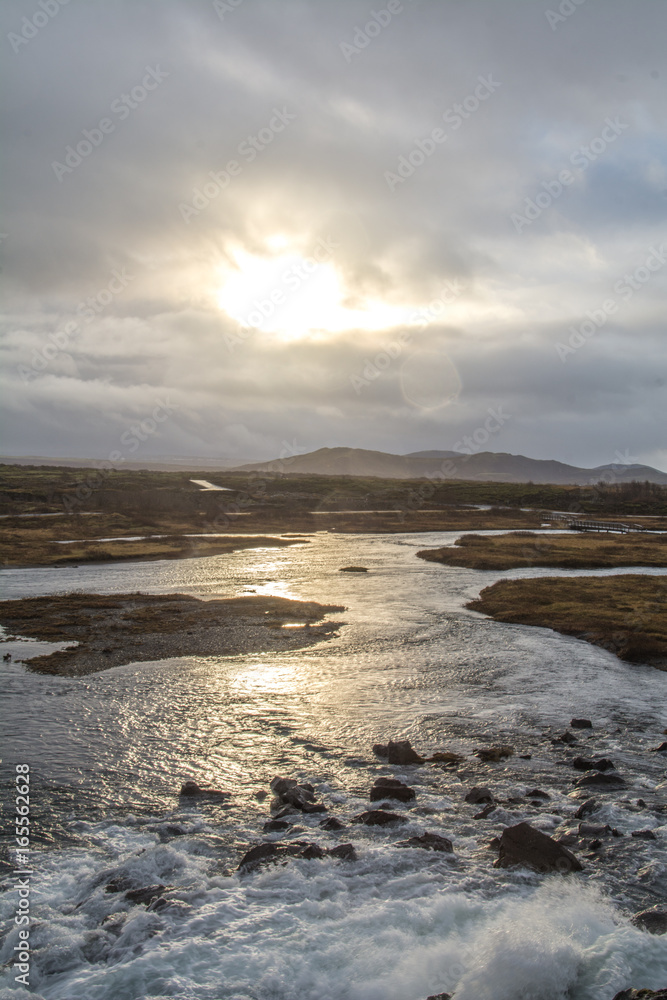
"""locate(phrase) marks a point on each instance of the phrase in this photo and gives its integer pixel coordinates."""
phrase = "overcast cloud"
(511, 251)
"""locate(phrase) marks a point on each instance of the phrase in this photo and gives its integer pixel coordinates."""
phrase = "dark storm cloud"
(331, 111)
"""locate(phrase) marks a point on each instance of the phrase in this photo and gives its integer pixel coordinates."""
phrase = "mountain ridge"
(483, 466)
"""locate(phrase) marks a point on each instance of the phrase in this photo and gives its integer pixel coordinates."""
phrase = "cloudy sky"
(254, 225)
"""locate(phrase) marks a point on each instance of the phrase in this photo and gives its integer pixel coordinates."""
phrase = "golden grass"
(567, 551)
(626, 614)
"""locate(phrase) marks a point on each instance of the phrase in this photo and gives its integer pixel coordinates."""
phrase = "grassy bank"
(112, 630)
(567, 551)
(624, 614)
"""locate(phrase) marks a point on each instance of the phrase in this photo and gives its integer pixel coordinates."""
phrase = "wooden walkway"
(576, 524)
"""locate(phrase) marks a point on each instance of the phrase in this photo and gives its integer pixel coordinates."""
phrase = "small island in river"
(565, 550)
(115, 629)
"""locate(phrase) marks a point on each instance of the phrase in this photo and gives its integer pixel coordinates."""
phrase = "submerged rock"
(581, 724)
(494, 754)
(479, 794)
(391, 788)
(486, 811)
(566, 737)
(191, 788)
(644, 834)
(440, 996)
(523, 845)
(378, 817)
(428, 842)
(353, 569)
(537, 793)
(596, 778)
(660, 749)
(276, 826)
(445, 757)
(147, 894)
(654, 920)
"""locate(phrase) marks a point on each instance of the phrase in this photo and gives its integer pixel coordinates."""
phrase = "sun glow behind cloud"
(295, 296)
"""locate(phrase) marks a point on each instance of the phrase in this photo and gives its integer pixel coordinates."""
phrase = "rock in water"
(391, 788)
(587, 807)
(380, 749)
(145, 895)
(402, 753)
(270, 853)
(378, 817)
(445, 757)
(654, 920)
(523, 845)
(581, 724)
(429, 842)
(191, 788)
(603, 780)
(332, 824)
(479, 794)
(582, 764)
(344, 852)
(494, 754)
(440, 996)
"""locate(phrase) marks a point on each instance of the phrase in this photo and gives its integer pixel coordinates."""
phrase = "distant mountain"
(485, 466)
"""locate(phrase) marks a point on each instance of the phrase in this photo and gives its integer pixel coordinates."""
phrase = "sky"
(249, 228)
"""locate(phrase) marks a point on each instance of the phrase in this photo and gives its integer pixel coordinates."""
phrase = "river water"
(108, 754)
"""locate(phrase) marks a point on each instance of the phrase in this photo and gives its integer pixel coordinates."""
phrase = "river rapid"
(109, 752)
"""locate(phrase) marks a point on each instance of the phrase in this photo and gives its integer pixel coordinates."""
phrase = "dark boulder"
(523, 845)
(272, 853)
(276, 826)
(586, 808)
(401, 752)
(299, 796)
(380, 749)
(479, 794)
(344, 852)
(445, 757)
(581, 724)
(594, 830)
(583, 764)
(428, 842)
(391, 788)
(486, 811)
(595, 778)
(145, 895)
(644, 834)
(332, 824)
(378, 817)
(566, 737)
(654, 920)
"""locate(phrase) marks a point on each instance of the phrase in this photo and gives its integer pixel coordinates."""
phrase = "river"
(108, 753)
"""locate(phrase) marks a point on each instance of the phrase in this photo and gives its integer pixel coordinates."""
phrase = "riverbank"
(567, 551)
(27, 543)
(625, 614)
(113, 630)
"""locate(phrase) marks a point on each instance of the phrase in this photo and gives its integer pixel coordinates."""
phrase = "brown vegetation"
(111, 630)
(567, 551)
(625, 614)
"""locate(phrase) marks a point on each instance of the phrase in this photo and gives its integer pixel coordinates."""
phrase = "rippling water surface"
(108, 753)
